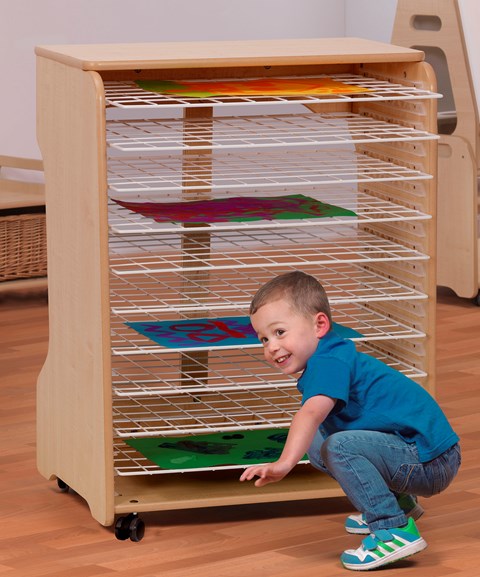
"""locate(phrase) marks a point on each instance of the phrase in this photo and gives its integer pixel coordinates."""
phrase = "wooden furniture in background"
(436, 28)
(102, 136)
(23, 245)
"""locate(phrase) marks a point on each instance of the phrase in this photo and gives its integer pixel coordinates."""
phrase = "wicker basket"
(23, 249)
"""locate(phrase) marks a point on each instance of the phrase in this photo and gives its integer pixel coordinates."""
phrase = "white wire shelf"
(237, 250)
(248, 170)
(128, 95)
(156, 377)
(208, 412)
(372, 326)
(234, 290)
(223, 371)
(369, 209)
(290, 130)
(167, 411)
(226, 371)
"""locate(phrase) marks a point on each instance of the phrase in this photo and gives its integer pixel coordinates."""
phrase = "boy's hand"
(300, 436)
(269, 473)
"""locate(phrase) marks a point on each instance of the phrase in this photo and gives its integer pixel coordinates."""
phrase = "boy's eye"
(264, 340)
(279, 332)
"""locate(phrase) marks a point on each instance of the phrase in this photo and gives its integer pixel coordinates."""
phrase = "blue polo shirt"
(372, 396)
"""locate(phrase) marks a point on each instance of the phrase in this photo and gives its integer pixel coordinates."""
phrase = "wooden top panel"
(222, 54)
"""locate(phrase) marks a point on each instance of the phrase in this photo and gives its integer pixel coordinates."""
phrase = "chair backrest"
(436, 28)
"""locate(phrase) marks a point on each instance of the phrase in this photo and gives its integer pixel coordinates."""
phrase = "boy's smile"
(289, 337)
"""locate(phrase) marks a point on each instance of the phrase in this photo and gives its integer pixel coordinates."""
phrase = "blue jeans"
(372, 468)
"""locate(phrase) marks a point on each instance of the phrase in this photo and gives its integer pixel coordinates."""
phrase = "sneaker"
(356, 523)
(383, 547)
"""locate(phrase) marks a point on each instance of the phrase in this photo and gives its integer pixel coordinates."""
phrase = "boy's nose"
(272, 346)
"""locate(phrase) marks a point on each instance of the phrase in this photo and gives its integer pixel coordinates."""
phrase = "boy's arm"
(300, 436)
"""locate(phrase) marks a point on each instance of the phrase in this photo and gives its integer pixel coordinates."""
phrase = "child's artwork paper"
(212, 450)
(251, 87)
(237, 209)
(222, 331)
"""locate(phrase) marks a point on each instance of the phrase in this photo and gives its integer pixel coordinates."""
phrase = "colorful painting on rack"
(203, 332)
(211, 450)
(252, 87)
(237, 209)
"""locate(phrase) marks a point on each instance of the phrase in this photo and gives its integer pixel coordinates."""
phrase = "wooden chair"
(436, 28)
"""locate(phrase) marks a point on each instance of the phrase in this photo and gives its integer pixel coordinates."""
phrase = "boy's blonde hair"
(306, 295)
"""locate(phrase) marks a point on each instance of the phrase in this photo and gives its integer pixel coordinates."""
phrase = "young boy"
(378, 433)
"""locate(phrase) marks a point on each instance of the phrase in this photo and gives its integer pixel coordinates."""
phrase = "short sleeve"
(326, 375)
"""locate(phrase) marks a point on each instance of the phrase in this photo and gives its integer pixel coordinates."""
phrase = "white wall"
(27, 23)
(372, 19)
(470, 14)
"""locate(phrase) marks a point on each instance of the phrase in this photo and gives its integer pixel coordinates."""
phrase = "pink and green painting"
(237, 209)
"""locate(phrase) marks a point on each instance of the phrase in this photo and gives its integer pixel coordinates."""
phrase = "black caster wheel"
(62, 486)
(476, 300)
(130, 527)
(137, 529)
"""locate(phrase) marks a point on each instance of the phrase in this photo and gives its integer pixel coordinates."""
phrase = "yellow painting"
(252, 87)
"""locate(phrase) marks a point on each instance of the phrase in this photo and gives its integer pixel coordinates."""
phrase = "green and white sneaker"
(384, 547)
(356, 523)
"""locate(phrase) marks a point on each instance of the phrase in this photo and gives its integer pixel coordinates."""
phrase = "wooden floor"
(48, 533)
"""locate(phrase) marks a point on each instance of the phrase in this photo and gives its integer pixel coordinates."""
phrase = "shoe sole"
(415, 513)
(403, 553)
(359, 531)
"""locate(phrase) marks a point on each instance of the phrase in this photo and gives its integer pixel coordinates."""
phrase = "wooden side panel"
(74, 419)
(457, 217)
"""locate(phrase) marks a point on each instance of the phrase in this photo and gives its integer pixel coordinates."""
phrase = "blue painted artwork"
(203, 332)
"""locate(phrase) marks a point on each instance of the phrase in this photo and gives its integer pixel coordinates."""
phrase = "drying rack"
(371, 153)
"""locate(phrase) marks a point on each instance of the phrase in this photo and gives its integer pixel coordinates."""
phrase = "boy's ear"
(322, 324)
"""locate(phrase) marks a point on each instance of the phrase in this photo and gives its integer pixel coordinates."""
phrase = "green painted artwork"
(214, 449)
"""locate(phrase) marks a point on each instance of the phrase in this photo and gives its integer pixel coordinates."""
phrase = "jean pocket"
(444, 468)
(440, 473)
(427, 479)
(410, 478)
(457, 455)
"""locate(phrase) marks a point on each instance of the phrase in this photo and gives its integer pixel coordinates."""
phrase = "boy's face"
(289, 338)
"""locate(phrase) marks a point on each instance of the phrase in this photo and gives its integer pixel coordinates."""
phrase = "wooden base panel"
(216, 488)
